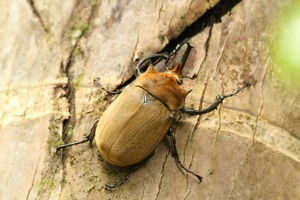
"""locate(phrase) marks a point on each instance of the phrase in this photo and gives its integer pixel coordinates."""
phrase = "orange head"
(165, 86)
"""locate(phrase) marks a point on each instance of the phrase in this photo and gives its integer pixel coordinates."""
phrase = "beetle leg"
(219, 100)
(186, 53)
(192, 78)
(117, 91)
(166, 56)
(109, 186)
(176, 155)
(185, 41)
(149, 58)
(134, 168)
(88, 138)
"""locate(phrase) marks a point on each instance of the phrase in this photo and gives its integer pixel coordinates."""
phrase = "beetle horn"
(187, 93)
(177, 70)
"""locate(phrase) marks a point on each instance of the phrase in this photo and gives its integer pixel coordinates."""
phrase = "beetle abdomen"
(132, 127)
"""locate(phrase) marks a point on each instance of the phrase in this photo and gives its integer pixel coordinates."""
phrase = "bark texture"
(50, 51)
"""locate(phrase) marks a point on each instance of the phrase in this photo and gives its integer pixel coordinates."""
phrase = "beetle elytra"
(136, 122)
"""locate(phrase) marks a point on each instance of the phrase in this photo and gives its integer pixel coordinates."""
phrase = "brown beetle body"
(135, 123)
(124, 134)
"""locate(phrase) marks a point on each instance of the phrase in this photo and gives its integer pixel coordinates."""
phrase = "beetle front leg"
(176, 155)
(88, 138)
(219, 100)
(148, 59)
(117, 91)
(186, 53)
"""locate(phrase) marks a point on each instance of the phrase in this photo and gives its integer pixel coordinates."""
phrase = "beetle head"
(165, 86)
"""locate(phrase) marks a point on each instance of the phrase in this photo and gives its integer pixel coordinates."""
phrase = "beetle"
(131, 128)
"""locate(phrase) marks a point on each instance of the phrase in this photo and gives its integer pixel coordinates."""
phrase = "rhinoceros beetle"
(131, 128)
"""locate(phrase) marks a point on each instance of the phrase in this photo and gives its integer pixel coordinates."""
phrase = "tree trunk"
(50, 51)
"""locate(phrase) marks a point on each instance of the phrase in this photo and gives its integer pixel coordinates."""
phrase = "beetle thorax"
(164, 86)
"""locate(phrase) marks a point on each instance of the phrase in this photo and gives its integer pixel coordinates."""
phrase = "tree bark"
(50, 51)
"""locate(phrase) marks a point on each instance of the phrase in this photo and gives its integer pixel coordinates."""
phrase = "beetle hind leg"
(109, 186)
(134, 168)
(176, 155)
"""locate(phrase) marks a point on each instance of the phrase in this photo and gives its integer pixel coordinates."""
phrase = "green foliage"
(285, 44)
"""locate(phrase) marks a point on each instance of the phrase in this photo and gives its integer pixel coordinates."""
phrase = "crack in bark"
(134, 53)
(220, 122)
(204, 89)
(234, 185)
(191, 161)
(289, 114)
(223, 50)
(70, 95)
(144, 188)
(208, 4)
(206, 45)
(32, 182)
(195, 128)
(187, 175)
(256, 121)
(190, 5)
(159, 12)
(187, 195)
(69, 123)
(70, 90)
(171, 19)
(37, 15)
(262, 104)
(162, 172)
(222, 75)
(209, 18)
(196, 125)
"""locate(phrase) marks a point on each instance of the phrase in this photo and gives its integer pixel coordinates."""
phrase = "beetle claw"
(107, 186)
(199, 178)
(111, 186)
(192, 78)
(219, 98)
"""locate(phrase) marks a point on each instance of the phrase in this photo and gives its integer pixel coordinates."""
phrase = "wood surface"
(50, 51)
